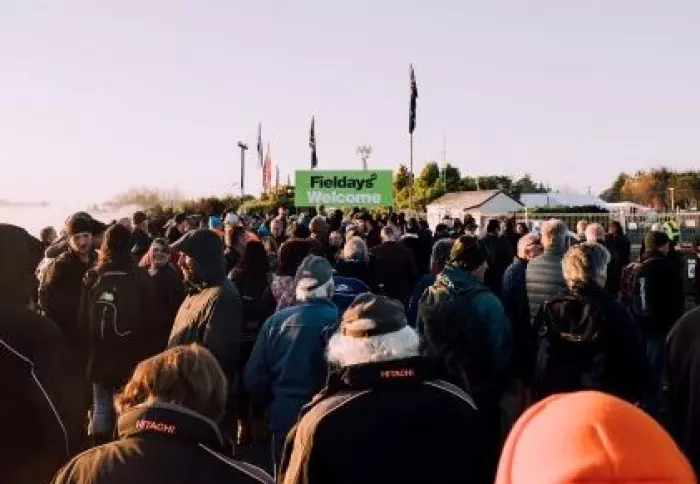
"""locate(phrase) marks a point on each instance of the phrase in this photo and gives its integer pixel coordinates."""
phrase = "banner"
(341, 188)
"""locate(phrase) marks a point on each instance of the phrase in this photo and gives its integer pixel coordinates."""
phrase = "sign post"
(344, 188)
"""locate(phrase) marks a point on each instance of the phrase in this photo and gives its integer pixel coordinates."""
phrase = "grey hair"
(555, 234)
(441, 252)
(587, 262)
(595, 233)
(525, 242)
(347, 350)
(355, 249)
(389, 234)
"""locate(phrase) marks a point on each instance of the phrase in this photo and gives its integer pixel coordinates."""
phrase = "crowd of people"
(351, 347)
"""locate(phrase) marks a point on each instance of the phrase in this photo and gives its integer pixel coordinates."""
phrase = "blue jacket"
(288, 364)
(423, 283)
(517, 308)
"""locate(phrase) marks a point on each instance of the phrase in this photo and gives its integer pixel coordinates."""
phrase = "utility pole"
(364, 151)
(243, 148)
(673, 199)
(444, 159)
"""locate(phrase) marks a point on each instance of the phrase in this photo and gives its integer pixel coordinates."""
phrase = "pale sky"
(97, 96)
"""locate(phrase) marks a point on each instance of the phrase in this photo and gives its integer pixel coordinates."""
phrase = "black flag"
(260, 145)
(312, 143)
(414, 96)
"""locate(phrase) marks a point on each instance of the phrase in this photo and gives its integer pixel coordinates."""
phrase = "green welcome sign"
(341, 188)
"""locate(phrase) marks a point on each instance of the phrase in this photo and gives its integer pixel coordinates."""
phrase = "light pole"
(364, 151)
(673, 199)
(243, 148)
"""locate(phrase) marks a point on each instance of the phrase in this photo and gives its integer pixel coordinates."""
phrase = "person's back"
(500, 257)
(396, 267)
(544, 274)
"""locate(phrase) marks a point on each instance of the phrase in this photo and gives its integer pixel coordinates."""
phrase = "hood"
(20, 254)
(57, 248)
(453, 276)
(590, 437)
(206, 247)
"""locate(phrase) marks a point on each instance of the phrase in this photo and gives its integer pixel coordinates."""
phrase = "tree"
(614, 193)
(402, 178)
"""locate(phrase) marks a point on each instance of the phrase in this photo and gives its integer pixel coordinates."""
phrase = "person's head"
(299, 230)
(555, 235)
(79, 230)
(373, 329)
(234, 238)
(657, 242)
(318, 226)
(125, 222)
(529, 247)
(140, 220)
(116, 248)
(48, 236)
(188, 376)
(595, 233)
(470, 254)
(202, 257)
(389, 234)
(231, 221)
(521, 228)
(335, 239)
(590, 437)
(282, 211)
(314, 279)
(180, 220)
(277, 228)
(493, 227)
(20, 254)
(440, 255)
(581, 227)
(616, 228)
(255, 258)
(585, 264)
(368, 222)
(356, 250)
(160, 253)
(291, 254)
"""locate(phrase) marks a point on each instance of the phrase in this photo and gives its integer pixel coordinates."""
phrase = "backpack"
(448, 334)
(570, 358)
(634, 290)
(346, 290)
(114, 313)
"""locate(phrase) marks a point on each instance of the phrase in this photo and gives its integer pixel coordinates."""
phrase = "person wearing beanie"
(61, 282)
(590, 437)
(658, 310)
(177, 229)
(465, 325)
(212, 313)
(288, 365)
(140, 240)
(386, 414)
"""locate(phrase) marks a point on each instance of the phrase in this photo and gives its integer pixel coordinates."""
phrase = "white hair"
(525, 244)
(555, 234)
(595, 233)
(348, 350)
(584, 263)
(389, 234)
(324, 291)
(355, 249)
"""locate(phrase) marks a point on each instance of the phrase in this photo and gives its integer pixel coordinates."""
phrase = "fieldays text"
(345, 182)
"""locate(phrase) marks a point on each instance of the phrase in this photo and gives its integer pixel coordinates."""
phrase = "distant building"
(480, 204)
(628, 208)
(544, 200)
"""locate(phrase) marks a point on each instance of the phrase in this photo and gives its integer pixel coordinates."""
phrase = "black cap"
(79, 225)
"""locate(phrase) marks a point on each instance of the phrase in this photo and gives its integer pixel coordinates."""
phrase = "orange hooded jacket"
(590, 437)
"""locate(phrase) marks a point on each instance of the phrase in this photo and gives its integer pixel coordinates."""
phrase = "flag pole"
(410, 183)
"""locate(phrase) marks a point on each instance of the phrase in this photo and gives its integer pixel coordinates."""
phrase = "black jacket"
(608, 355)
(161, 443)
(169, 294)
(684, 377)
(396, 270)
(211, 314)
(665, 298)
(173, 234)
(500, 257)
(357, 270)
(59, 294)
(42, 408)
(386, 422)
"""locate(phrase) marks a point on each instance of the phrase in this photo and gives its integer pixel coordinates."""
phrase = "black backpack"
(570, 358)
(114, 313)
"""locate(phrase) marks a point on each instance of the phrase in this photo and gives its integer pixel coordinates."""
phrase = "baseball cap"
(372, 315)
(313, 272)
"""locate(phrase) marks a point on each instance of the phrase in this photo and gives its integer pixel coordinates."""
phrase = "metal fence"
(635, 225)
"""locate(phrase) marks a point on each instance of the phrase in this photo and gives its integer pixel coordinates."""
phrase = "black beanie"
(79, 225)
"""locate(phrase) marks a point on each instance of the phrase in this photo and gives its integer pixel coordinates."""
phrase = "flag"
(277, 177)
(260, 145)
(267, 170)
(312, 143)
(414, 96)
